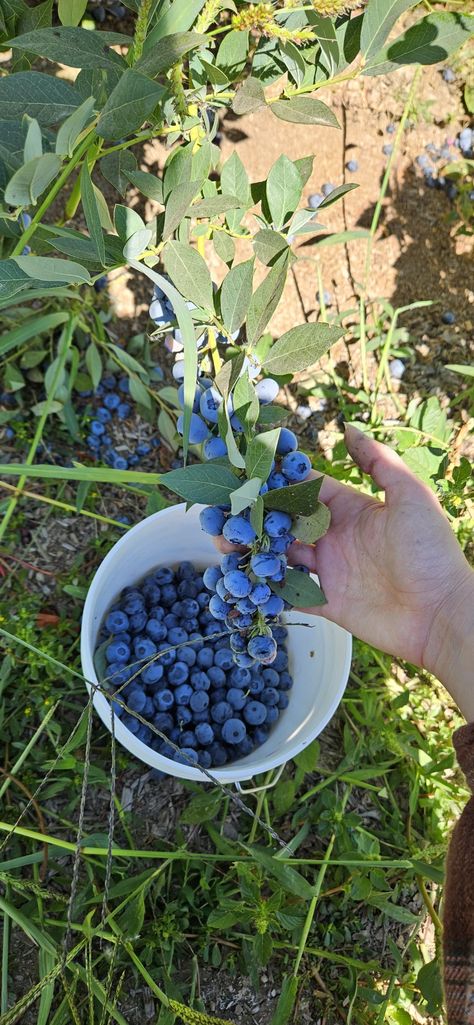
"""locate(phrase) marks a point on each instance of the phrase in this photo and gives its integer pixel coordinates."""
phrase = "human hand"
(393, 572)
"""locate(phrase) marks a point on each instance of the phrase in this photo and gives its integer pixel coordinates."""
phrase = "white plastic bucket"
(319, 652)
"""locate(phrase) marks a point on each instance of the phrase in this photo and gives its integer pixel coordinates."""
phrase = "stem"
(62, 505)
(5, 956)
(53, 192)
(363, 345)
(67, 339)
(386, 178)
(74, 199)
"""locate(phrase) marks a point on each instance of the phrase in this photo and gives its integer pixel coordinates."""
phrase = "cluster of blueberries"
(447, 153)
(170, 663)
(113, 394)
(244, 598)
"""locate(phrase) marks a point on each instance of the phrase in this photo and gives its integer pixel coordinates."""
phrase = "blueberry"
(243, 659)
(216, 675)
(264, 565)
(183, 694)
(233, 731)
(144, 648)
(131, 723)
(272, 714)
(188, 739)
(199, 701)
(327, 188)
(152, 674)
(287, 442)
(390, 129)
(238, 531)
(256, 686)
(170, 620)
(465, 139)
(269, 696)
(218, 754)
(237, 583)
(178, 370)
(209, 404)
(214, 448)
(274, 606)
(279, 545)
(178, 673)
(218, 608)
(280, 633)
(267, 390)
(167, 655)
(448, 75)
(204, 759)
(143, 448)
(283, 701)
(260, 593)
(295, 466)
(212, 520)
(117, 674)
(236, 698)
(97, 428)
(198, 430)
(277, 523)
(315, 200)
(245, 606)
(190, 609)
(286, 681)
(196, 400)
(211, 575)
(205, 658)
(155, 629)
(387, 149)
(186, 756)
(276, 480)
(168, 595)
(116, 622)
(163, 720)
(136, 700)
(117, 651)
(112, 400)
(262, 648)
(104, 415)
(119, 463)
(255, 713)
(199, 679)
(242, 621)
(184, 715)
(245, 747)
(448, 317)
(138, 621)
(188, 656)
(221, 711)
(352, 166)
(177, 635)
(231, 561)
(280, 662)
(123, 410)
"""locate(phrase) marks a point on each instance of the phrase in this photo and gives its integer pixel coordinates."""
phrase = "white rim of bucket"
(240, 770)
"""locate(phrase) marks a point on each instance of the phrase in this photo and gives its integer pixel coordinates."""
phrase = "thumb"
(385, 467)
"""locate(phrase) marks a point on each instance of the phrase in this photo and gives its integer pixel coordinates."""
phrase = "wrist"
(449, 651)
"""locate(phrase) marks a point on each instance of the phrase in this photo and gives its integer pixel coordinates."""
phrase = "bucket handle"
(265, 786)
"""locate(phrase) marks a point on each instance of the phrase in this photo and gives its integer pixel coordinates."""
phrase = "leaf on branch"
(168, 51)
(249, 97)
(91, 212)
(178, 204)
(268, 246)
(283, 190)
(43, 97)
(261, 453)
(29, 182)
(75, 47)
(304, 110)
(429, 41)
(310, 528)
(204, 483)
(297, 499)
(129, 104)
(300, 347)
(265, 300)
(245, 496)
(116, 168)
(299, 590)
(235, 295)
(190, 274)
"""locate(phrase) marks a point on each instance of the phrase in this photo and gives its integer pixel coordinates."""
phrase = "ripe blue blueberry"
(184, 715)
(327, 188)
(168, 595)
(196, 400)
(138, 621)
(256, 686)
(214, 448)
(188, 739)
(448, 75)
(262, 648)
(130, 723)
(204, 759)
(272, 714)
(166, 654)
(221, 711)
(264, 564)
(177, 635)
(236, 698)
(211, 575)
(204, 733)
(315, 200)
(267, 390)
(238, 531)
(116, 622)
(283, 701)
(136, 700)
(233, 731)
(387, 149)
(178, 673)
(97, 428)
(187, 756)
(144, 647)
(276, 480)
(104, 415)
(152, 674)
(269, 696)
(260, 593)
(279, 545)
(255, 713)
(112, 400)
(277, 523)
(352, 166)
(155, 629)
(205, 658)
(198, 430)
(216, 675)
(286, 681)
(218, 607)
(123, 410)
(237, 583)
(209, 404)
(117, 651)
(448, 317)
(163, 720)
(182, 694)
(199, 701)
(245, 606)
(200, 679)
(163, 700)
(231, 561)
(218, 754)
(287, 442)
(212, 520)
(274, 606)
(295, 467)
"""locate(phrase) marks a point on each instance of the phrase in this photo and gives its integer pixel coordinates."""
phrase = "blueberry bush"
(64, 145)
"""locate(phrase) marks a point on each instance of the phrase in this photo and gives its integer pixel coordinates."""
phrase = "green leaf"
(117, 167)
(167, 429)
(33, 147)
(130, 922)
(149, 185)
(265, 300)
(246, 404)
(234, 180)
(286, 1001)
(250, 96)
(430, 41)
(91, 212)
(93, 364)
(310, 528)
(393, 911)
(283, 190)
(50, 269)
(13, 378)
(232, 53)
(305, 167)
(225, 430)
(43, 97)
(178, 168)
(71, 11)
(272, 414)
(304, 110)
(235, 295)
(127, 221)
(168, 51)
(75, 47)
(378, 21)
(137, 243)
(129, 104)
(190, 274)
(25, 923)
(205, 483)
(297, 499)
(229, 374)
(268, 246)
(213, 206)
(202, 808)
(460, 368)
(289, 879)
(344, 236)
(301, 347)
(336, 194)
(299, 590)
(224, 246)
(430, 985)
(261, 453)
(72, 127)
(177, 205)
(30, 181)
(175, 16)
(256, 515)
(139, 393)
(245, 496)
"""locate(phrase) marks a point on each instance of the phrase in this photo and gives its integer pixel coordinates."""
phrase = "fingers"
(385, 467)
